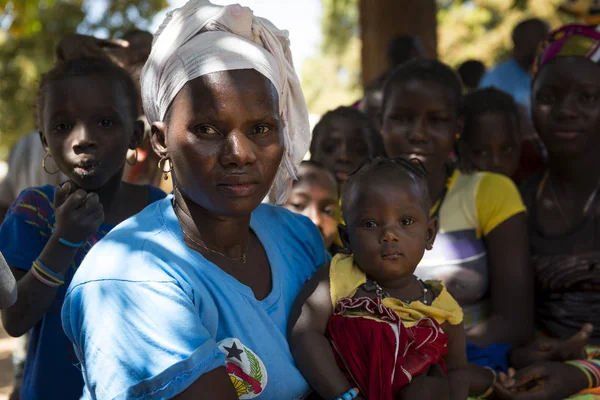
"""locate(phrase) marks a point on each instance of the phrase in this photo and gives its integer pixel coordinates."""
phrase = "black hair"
(492, 101)
(523, 26)
(471, 72)
(424, 70)
(485, 101)
(403, 48)
(320, 166)
(358, 120)
(87, 67)
(412, 168)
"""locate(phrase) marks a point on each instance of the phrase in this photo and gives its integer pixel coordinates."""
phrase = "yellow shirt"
(345, 278)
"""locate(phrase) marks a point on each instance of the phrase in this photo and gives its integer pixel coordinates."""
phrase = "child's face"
(388, 228)
(315, 196)
(566, 106)
(420, 121)
(343, 149)
(493, 144)
(88, 127)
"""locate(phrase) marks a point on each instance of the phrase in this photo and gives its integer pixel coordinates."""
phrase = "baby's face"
(388, 227)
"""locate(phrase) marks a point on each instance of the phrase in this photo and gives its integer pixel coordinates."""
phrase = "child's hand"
(550, 349)
(78, 214)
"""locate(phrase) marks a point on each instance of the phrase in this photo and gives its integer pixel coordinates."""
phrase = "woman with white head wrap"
(191, 297)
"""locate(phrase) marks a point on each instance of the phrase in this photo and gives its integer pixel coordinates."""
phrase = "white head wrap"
(200, 38)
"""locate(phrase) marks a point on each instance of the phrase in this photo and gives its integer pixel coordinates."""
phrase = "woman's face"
(420, 121)
(223, 139)
(566, 106)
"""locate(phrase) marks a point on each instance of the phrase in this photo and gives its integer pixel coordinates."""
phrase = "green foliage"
(29, 33)
(479, 29)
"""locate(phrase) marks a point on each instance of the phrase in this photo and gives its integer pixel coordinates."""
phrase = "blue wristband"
(349, 395)
(69, 244)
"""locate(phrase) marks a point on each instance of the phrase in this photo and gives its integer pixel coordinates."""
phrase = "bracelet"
(69, 244)
(349, 395)
(48, 271)
(589, 369)
(43, 280)
(46, 275)
(490, 390)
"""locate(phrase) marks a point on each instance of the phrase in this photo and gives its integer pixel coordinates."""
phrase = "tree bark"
(381, 20)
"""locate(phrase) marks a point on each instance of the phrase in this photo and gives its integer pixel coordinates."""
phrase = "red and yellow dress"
(381, 343)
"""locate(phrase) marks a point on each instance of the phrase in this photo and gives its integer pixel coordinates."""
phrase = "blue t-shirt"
(511, 78)
(148, 315)
(51, 367)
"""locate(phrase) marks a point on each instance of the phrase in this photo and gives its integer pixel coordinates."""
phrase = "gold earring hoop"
(458, 136)
(135, 160)
(44, 165)
(161, 166)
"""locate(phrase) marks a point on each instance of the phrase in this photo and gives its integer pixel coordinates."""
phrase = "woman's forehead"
(229, 91)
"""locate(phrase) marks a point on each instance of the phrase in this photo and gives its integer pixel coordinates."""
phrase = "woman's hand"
(550, 349)
(542, 381)
(78, 215)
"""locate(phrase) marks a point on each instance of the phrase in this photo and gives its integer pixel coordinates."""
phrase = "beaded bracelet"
(490, 389)
(349, 395)
(69, 244)
(41, 271)
(43, 280)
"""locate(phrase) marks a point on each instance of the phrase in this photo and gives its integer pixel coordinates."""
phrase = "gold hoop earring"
(161, 166)
(458, 136)
(135, 160)
(44, 165)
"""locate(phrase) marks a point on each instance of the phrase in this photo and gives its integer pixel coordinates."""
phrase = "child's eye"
(105, 123)
(297, 206)
(370, 224)
(260, 130)
(206, 130)
(406, 221)
(329, 211)
(62, 127)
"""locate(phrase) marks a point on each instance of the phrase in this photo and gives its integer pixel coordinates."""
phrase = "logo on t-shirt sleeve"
(246, 370)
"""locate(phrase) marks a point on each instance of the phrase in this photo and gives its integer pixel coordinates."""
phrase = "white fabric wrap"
(201, 38)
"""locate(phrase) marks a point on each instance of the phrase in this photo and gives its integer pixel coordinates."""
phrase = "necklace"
(372, 286)
(586, 207)
(242, 258)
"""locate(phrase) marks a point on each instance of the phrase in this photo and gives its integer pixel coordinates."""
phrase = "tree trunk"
(381, 20)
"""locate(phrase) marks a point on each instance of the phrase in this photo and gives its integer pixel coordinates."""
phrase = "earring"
(161, 166)
(44, 165)
(135, 160)
(457, 136)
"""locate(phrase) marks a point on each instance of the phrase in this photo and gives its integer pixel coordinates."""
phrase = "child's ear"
(43, 140)
(343, 231)
(432, 230)
(158, 138)
(138, 135)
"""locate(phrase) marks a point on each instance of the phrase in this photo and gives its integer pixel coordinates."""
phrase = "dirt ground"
(6, 345)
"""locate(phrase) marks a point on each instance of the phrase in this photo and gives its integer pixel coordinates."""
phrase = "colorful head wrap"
(201, 38)
(570, 40)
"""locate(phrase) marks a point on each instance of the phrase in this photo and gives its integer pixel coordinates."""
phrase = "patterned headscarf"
(569, 40)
